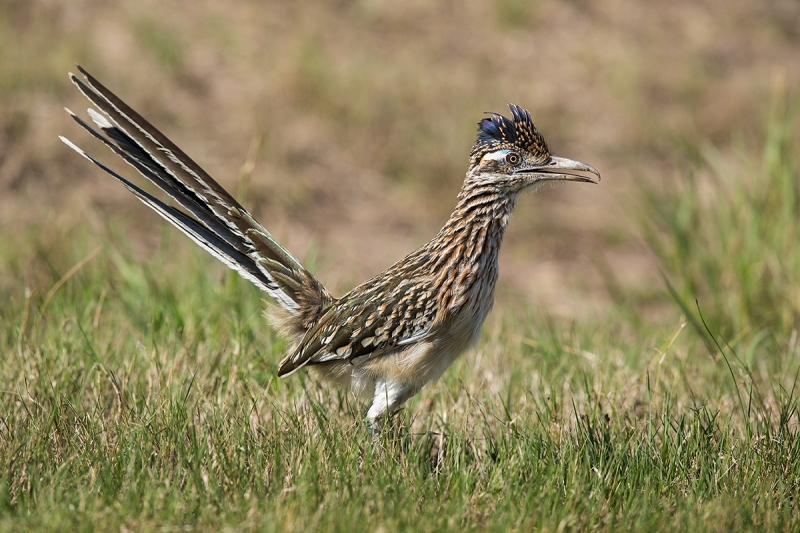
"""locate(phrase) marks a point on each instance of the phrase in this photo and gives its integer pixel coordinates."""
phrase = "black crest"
(498, 132)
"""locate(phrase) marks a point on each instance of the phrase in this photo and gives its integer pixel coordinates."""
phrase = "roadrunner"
(388, 337)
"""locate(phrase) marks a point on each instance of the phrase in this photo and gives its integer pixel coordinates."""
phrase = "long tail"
(215, 220)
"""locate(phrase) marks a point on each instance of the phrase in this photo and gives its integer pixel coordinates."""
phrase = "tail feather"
(218, 222)
(182, 195)
(197, 232)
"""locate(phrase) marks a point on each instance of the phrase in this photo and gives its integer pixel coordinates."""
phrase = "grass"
(727, 236)
(141, 394)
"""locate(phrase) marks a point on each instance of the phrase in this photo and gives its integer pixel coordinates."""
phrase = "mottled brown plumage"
(394, 333)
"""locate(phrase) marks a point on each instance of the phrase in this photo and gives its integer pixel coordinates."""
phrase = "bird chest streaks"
(467, 261)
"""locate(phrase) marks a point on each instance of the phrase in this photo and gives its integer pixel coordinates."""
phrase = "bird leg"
(389, 396)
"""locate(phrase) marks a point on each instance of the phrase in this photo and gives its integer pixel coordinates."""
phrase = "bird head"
(511, 153)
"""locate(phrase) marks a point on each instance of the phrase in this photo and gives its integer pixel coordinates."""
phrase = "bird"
(396, 332)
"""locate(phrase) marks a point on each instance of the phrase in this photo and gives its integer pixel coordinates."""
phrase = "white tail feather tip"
(99, 119)
(71, 145)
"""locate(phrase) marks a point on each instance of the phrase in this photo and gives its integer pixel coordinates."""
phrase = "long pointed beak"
(561, 168)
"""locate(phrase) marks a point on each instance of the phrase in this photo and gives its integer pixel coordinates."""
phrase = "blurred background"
(346, 126)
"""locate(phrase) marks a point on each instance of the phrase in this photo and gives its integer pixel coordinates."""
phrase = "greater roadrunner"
(391, 335)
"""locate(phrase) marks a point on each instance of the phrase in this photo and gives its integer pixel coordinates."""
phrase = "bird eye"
(513, 158)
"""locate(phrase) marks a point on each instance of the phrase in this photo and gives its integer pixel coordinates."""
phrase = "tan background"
(359, 116)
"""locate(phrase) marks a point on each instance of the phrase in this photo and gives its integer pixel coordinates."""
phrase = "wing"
(372, 320)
